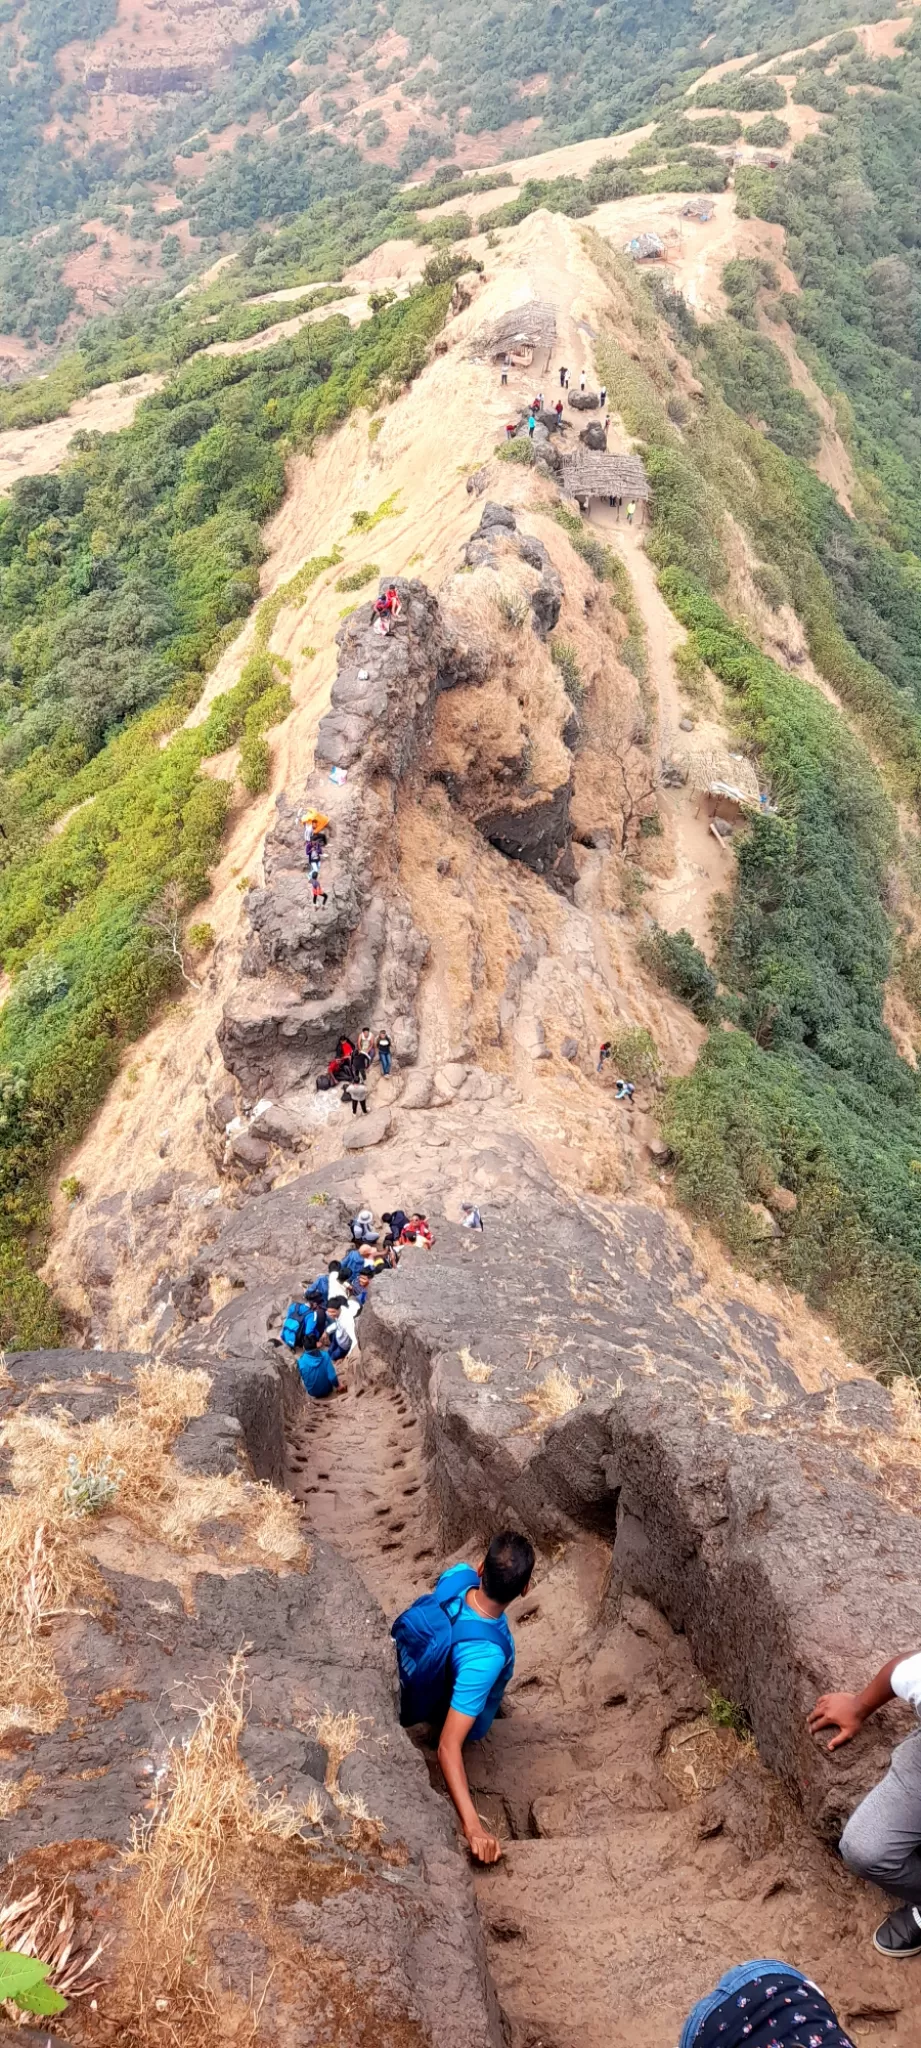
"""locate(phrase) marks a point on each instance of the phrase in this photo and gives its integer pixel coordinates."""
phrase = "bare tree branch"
(164, 921)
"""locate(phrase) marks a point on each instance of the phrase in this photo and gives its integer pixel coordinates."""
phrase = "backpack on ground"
(325, 1081)
(425, 1635)
(299, 1325)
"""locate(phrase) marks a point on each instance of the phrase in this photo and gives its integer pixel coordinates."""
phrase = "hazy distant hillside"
(135, 138)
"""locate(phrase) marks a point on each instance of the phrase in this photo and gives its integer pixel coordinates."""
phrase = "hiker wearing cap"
(882, 1840)
(764, 2005)
(362, 1228)
(455, 1656)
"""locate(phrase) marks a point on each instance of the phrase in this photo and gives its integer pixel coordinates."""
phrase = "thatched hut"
(588, 475)
(522, 335)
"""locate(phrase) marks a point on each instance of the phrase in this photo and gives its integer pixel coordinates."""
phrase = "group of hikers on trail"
(351, 1064)
(456, 1657)
(319, 1327)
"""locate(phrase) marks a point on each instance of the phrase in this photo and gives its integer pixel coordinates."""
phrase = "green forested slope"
(120, 581)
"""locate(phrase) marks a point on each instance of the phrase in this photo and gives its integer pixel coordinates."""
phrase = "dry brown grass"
(208, 1809)
(153, 1491)
(475, 1369)
(555, 1397)
(340, 1736)
(45, 1568)
(43, 1572)
(44, 1925)
(738, 1402)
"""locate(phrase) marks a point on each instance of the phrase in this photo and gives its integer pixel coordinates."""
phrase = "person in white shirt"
(340, 1340)
(882, 1840)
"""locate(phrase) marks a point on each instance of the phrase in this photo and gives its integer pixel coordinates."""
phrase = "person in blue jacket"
(318, 1374)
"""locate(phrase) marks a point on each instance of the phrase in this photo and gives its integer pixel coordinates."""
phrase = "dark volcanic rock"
(498, 524)
(317, 971)
(395, 1923)
(768, 1543)
(535, 833)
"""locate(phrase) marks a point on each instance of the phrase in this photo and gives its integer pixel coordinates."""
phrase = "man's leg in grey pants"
(882, 1840)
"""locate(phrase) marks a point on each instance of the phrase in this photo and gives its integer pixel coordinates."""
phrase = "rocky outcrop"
(314, 971)
(379, 1912)
(498, 529)
(744, 1508)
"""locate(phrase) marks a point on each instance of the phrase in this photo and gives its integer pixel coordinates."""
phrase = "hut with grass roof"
(588, 475)
(524, 335)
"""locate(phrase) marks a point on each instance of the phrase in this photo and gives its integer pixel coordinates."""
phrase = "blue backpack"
(425, 1635)
(299, 1325)
(318, 1374)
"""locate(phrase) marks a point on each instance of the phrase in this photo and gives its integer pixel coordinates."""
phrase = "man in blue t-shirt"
(480, 1673)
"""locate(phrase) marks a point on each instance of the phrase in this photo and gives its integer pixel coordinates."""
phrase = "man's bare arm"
(847, 1711)
(483, 1845)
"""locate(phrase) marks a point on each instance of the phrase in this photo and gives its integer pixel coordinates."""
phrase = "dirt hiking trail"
(645, 1847)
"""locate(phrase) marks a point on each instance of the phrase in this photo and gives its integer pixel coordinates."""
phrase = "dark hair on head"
(508, 1566)
(386, 1216)
(334, 1266)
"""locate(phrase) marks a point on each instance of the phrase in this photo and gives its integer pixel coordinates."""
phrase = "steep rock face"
(315, 971)
(766, 1539)
(391, 1923)
(312, 971)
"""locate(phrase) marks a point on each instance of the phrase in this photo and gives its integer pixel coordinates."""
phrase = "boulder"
(312, 974)
(658, 1151)
(365, 1131)
(569, 1050)
(278, 1126)
(765, 1227)
(584, 401)
(245, 1150)
(782, 1201)
(157, 1196)
(534, 833)
(594, 437)
(417, 1092)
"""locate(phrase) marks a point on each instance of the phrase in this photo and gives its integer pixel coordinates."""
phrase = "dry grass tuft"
(475, 1369)
(42, 1573)
(738, 1401)
(208, 1807)
(16, 1793)
(907, 1406)
(44, 1925)
(554, 1397)
(6, 1377)
(339, 1735)
(44, 1564)
(168, 1399)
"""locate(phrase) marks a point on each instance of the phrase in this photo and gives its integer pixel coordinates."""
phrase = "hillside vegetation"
(120, 582)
